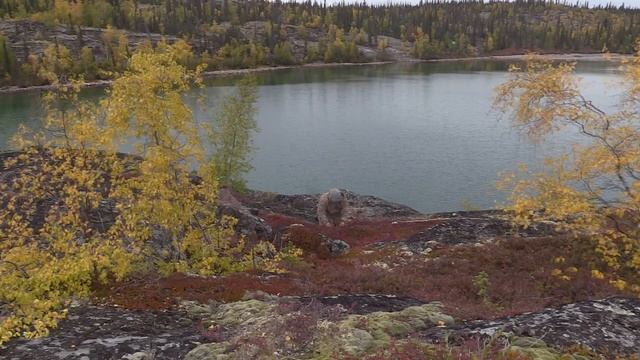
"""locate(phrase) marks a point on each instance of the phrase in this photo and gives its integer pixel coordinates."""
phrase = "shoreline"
(205, 75)
(233, 72)
(559, 56)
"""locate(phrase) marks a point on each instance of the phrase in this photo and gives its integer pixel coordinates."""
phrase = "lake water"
(418, 134)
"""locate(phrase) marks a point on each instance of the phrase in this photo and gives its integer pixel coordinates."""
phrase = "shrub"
(593, 191)
(238, 55)
(77, 214)
(283, 54)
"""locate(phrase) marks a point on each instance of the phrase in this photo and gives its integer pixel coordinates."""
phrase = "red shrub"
(279, 222)
(519, 272)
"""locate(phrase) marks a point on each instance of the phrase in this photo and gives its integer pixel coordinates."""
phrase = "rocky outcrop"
(609, 326)
(257, 31)
(103, 332)
(104, 215)
(363, 303)
(31, 37)
(362, 207)
(471, 227)
(290, 329)
(249, 225)
(322, 327)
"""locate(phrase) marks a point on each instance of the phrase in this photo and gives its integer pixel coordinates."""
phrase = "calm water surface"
(418, 134)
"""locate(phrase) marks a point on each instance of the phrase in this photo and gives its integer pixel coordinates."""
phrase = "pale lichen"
(347, 335)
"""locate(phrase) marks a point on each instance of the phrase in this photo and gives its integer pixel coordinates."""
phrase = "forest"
(229, 34)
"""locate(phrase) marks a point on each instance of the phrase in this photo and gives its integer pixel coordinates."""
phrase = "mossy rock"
(354, 335)
(243, 313)
(425, 315)
(197, 309)
(355, 341)
(358, 334)
(237, 314)
(528, 342)
(537, 349)
(384, 327)
(214, 351)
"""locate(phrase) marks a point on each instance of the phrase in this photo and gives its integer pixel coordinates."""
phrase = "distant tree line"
(432, 29)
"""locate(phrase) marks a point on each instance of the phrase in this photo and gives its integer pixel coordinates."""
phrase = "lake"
(421, 134)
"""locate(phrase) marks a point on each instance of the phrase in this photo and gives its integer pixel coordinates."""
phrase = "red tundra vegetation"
(520, 274)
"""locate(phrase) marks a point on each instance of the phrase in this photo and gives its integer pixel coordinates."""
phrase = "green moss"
(240, 314)
(385, 328)
(359, 334)
(214, 351)
(528, 342)
(355, 335)
(537, 349)
(244, 313)
(355, 341)
(536, 353)
(197, 309)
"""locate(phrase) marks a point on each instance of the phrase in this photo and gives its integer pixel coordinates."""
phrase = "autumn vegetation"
(592, 192)
(306, 32)
(82, 220)
(232, 133)
(76, 213)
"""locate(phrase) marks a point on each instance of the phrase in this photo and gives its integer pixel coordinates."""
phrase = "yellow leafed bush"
(593, 192)
(75, 213)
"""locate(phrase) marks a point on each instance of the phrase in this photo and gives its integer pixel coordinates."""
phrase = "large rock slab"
(610, 326)
(32, 37)
(462, 228)
(104, 332)
(304, 206)
(472, 227)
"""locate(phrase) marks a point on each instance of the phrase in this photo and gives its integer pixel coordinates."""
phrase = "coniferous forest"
(94, 37)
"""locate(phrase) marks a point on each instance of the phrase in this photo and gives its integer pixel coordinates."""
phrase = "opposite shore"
(233, 72)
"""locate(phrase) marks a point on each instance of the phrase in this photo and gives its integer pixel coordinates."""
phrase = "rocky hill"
(29, 37)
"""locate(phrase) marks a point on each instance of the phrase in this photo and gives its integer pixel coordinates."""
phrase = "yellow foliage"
(597, 274)
(49, 252)
(56, 63)
(594, 190)
(77, 213)
(116, 47)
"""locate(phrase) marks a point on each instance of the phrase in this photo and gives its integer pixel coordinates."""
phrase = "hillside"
(362, 299)
(227, 34)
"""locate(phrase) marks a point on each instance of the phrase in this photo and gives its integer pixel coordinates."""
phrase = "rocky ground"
(393, 283)
(267, 326)
(610, 325)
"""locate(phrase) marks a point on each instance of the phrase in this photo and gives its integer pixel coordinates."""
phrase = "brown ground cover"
(519, 273)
